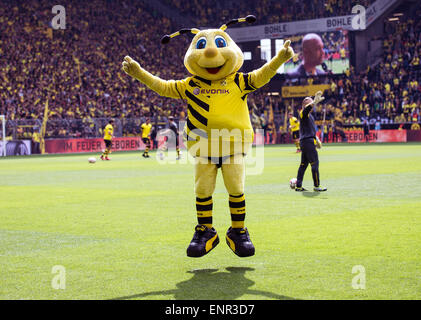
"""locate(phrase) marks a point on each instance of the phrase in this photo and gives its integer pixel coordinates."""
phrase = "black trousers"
(308, 156)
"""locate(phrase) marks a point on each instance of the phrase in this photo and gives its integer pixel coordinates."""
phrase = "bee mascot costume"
(218, 129)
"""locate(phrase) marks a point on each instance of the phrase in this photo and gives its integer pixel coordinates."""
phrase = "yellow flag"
(43, 128)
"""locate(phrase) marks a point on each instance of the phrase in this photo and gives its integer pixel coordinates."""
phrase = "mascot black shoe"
(238, 239)
(204, 240)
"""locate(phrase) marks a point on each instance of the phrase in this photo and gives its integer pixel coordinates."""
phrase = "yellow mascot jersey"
(220, 104)
(294, 123)
(108, 132)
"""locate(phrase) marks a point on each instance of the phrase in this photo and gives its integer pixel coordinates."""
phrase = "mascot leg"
(237, 237)
(234, 177)
(205, 180)
(205, 237)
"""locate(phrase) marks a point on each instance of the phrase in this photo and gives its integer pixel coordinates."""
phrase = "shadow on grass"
(310, 194)
(209, 284)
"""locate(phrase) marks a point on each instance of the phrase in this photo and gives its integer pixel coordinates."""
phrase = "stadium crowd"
(77, 70)
(206, 13)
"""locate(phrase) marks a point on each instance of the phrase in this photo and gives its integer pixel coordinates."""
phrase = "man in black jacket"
(308, 143)
(366, 126)
(173, 127)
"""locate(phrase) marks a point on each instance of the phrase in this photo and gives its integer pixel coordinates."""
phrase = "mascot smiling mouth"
(214, 70)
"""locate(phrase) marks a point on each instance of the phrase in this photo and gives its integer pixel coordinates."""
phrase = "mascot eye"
(220, 42)
(201, 43)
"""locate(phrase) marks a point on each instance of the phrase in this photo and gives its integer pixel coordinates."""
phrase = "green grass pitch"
(121, 228)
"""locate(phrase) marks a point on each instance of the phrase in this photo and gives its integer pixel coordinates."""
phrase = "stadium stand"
(78, 69)
(206, 13)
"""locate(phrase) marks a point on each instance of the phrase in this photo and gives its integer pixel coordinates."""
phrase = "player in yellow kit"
(146, 137)
(294, 126)
(108, 137)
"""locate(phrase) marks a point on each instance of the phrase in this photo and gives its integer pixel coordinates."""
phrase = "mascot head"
(212, 54)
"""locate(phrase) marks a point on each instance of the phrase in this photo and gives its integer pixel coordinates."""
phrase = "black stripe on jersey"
(203, 199)
(197, 115)
(237, 81)
(243, 97)
(199, 102)
(248, 85)
(196, 130)
(208, 82)
(193, 84)
(178, 91)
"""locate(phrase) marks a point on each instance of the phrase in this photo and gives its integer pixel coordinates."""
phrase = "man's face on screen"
(313, 51)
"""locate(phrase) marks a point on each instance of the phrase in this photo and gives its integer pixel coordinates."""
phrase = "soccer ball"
(293, 183)
(92, 160)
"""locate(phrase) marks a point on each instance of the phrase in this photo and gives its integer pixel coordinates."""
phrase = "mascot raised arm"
(218, 129)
